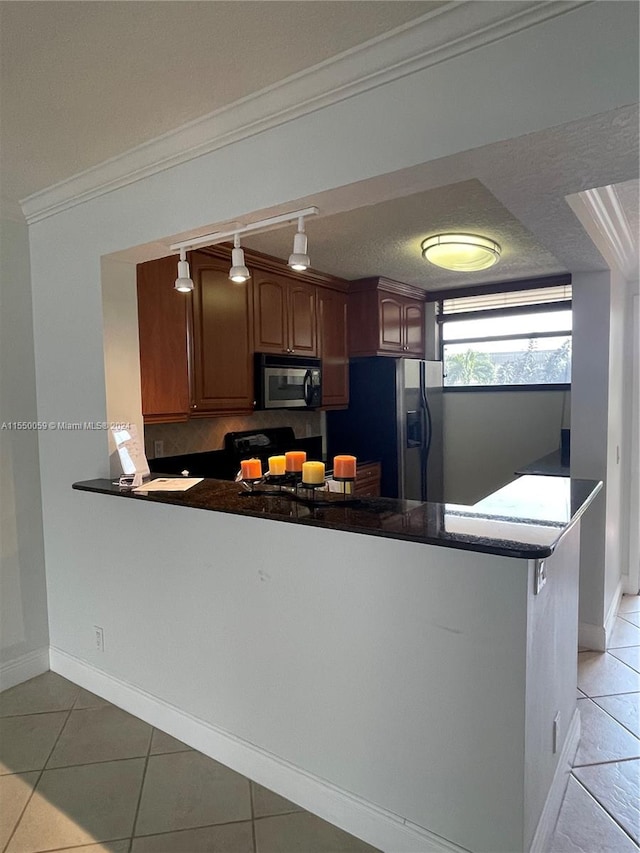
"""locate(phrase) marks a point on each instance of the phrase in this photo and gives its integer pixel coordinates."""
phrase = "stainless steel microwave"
(287, 382)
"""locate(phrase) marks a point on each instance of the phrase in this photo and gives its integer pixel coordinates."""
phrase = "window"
(521, 338)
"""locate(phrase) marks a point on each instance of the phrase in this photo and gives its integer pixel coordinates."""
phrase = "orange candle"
(313, 473)
(294, 460)
(344, 467)
(251, 469)
(276, 465)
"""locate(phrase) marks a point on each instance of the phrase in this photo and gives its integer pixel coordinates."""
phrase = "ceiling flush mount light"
(238, 272)
(461, 252)
(183, 283)
(299, 259)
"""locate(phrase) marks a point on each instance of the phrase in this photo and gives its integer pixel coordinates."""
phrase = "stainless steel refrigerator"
(394, 416)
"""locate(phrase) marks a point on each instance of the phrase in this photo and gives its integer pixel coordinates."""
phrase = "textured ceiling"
(83, 82)
(384, 239)
(513, 191)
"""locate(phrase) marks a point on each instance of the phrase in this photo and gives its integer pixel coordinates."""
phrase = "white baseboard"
(383, 829)
(23, 668)
(591, 637)
(597, 637)
(610, 621)
(629, 586)
(549, 816)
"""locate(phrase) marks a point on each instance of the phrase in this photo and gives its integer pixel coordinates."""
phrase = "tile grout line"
(253, 818)
(142, 781)
(33, 790)
(80, 846)
(625, 727)
(604, 809)
(34, 713)
(189, 829)
(604, 763)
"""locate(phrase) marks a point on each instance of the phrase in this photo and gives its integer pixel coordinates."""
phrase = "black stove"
(260, 443)
(224, 464)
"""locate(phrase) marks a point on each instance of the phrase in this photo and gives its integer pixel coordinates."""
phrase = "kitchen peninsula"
(413, 663)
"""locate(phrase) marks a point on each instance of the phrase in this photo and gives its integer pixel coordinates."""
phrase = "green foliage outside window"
(530, 367)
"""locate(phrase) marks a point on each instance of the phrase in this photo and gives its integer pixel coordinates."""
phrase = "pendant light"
(461, 252)
(184, 282)
(238, 272)
(299, 259)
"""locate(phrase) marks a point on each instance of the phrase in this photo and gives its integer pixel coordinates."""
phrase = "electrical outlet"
(158, 448)
(556, 732)
(99, 638)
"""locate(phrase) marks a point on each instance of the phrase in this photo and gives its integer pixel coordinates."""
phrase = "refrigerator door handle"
(427, 429)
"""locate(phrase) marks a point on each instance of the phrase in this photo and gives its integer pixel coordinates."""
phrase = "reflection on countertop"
(524, 519)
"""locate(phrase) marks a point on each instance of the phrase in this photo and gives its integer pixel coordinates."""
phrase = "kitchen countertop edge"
(367, 517)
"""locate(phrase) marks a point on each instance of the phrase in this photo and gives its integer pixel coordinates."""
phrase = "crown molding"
(444, 33)
(11, 210)
(603, 217)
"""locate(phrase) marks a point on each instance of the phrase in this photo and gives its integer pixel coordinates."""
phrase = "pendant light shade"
(461, 252)
(299, 259)
(184, 283)
(238, 272)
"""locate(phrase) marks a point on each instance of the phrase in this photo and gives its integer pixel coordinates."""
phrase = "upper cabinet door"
(386, 318)
(270, 309)
(222, 358)
(162, 329)
(302, 318)
(414, 328)
(332, 344)
(391, 321)
(285, 313)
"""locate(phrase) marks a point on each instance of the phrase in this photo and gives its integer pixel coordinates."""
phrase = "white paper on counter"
(130, 451)
(174, 484)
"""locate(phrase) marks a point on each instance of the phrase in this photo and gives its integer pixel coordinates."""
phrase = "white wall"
(616, 529)
(596, 397)
(631, 574)
(289, 638)
(488, 435)
(121, 351)
(24, 635)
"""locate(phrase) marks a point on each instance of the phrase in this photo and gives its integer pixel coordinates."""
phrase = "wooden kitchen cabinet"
(386, 318)
(332, 344)
(285, 312)
(196, 349)
(162, 329)
(368, 480)
(222, 330)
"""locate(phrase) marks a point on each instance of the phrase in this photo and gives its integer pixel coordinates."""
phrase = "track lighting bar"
(261, 225)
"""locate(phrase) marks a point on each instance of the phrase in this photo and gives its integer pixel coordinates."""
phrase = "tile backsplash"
(200, 434)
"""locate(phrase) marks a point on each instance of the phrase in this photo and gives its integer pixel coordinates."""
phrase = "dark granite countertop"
(524, 519)
(547, 466)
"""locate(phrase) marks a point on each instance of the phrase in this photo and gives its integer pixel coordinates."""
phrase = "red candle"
(344, 467)
(251, 469)
(294, 460)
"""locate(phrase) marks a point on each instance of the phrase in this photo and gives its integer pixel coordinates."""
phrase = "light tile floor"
(77, 773)
(601, 809)
(75, 770)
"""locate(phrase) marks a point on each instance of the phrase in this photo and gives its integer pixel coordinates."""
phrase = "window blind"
(513, 299)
